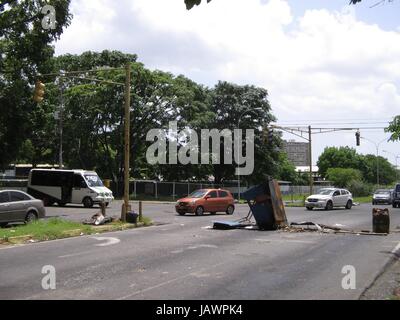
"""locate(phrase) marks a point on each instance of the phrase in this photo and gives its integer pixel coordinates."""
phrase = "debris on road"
(98, 219)
(266, 206)
(311, 226)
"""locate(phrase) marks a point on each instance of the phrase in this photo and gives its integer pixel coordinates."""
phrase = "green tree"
(191, 3)
(342, 157)
(231, 103)
(394, 129)
(387, 172)
(25, 51)
(341, 176)
(287, 171)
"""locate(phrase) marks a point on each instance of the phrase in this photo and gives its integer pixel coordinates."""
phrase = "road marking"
(109, 241)
(170, 281)
(194, 248)
(74, 254)
(397, 248)
(284, 240)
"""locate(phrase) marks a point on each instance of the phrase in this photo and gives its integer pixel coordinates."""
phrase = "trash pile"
(98, 219)
(311, 226)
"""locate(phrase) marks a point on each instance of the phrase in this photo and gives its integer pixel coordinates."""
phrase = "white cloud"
(321, 65)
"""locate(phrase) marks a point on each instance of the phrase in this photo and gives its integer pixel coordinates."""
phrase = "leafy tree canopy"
(25, 51)
(394, 129)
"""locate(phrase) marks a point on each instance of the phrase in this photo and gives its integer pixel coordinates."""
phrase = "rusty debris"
(98, 219)
(314, 227)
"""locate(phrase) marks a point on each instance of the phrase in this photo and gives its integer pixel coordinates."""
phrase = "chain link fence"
(171, 191)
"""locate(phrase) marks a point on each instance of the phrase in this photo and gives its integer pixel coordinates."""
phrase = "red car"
(206, 200)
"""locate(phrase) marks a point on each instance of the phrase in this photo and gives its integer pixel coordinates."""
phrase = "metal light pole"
(238, 155)
(377, 156)
(125, 207)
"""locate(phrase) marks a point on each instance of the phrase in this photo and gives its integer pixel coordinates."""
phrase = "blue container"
(263, 212)
(264, 216)
(254, 192)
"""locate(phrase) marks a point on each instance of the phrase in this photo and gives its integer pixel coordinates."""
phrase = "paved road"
(183, 259)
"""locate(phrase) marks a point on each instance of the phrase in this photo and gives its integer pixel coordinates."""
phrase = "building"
(297, 152)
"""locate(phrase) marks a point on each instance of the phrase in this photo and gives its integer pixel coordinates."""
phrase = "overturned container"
(266, 205)
(380, 220)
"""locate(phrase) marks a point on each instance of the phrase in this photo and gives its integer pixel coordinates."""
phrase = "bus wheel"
(87, 202)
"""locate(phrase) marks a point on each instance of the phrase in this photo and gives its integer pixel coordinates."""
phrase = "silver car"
(382, 196)
(329, 198)
(18, 206)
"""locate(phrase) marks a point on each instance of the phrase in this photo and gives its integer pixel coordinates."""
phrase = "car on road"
(382, 196)
(328, 198)
(206, 200)
(396, 196)
(18, 206)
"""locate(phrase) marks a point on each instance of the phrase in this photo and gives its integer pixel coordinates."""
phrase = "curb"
(391, 260)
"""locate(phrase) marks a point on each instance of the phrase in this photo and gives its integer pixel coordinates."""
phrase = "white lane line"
(74, 254)
(170, 281)
(109, 241)
(284, 241)
(397, 248)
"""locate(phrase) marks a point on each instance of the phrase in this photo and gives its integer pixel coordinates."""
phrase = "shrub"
(359, 188)
(341, 176)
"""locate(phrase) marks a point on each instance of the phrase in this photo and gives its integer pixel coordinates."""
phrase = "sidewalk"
(387, 285)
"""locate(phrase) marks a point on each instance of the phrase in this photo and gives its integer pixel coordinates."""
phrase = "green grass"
(56, 228)
(363, 199)
(295, 197)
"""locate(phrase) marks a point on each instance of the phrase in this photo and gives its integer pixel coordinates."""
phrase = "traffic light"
(358, 136)
(268, 134)
(38, 95)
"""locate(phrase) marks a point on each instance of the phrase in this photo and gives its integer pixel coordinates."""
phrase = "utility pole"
(126, 206)
(377, 156)
(310, 159)
(60, 155)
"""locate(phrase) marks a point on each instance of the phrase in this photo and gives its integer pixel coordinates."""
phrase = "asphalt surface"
(182, 258)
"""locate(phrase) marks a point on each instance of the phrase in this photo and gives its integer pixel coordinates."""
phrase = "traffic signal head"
(268, 134)
(358, 136)
(38, 95)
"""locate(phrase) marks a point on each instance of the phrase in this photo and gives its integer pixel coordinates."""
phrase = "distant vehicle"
(328, 198)
(382, 196)
(396, 196)
(68, 186)
(206, 200)
(18, 206)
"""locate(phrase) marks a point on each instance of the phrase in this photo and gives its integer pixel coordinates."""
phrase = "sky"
(323, 62)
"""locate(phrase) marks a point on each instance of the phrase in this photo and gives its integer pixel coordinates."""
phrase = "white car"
(329, 198)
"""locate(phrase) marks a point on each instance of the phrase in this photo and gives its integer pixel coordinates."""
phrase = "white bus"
(68, 186)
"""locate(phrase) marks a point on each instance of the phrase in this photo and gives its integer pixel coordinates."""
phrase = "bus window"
(79, 182)
(93, 180)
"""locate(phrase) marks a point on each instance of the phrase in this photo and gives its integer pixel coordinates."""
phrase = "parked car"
(382, 196)
(396, 196)
(18, 206)
(328, 198)
(206, 200)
